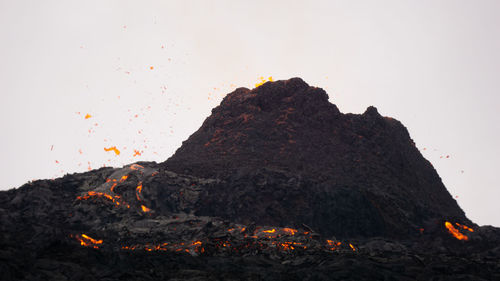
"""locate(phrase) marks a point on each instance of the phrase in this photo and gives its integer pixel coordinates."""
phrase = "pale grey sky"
(433, 65)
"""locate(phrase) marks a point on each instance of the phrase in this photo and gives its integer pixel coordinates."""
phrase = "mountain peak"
(262, 125)
(290, 128)
(275, 95)
(371, 111)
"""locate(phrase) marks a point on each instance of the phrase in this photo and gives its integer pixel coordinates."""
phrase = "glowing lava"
(464, 227)
(263, 80)
(94, 194)
(88, 241)
(290, 231)
(333, 245)
(195, 246)
(138, 191)
(113, 182)
(455, 232)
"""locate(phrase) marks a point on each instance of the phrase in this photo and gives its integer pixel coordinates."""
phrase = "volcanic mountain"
(347, 174)
(277, 184)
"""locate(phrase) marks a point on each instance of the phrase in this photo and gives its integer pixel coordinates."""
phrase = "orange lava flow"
(92, 194)
(352, 247)
(455, 232)
(88, 116)
(464, 227)
(290, 231)
(145, 209)
(122, 179)
(113, 148)
(269, 231)
(88, 241)
(138, 190)
(333, 245)
(113, 187)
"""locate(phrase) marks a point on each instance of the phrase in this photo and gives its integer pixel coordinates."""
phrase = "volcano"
(277, 184)
(354, 174)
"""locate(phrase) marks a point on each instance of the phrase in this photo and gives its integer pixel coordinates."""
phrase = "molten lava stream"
(93, 194)
(455, 232)
(88, 241)
(464, 227)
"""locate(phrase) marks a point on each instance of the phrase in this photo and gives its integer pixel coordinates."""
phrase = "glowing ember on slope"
(88, 116)
(290, 231)
(88, 241)
(455, 232)
(113, 186)
(138, 191)
(94, 194)
(122, 179)
(287, 246)
(464, 227)
(234, 246)
(145, 209)
(333, 245)
(192, 247)
(113, 148)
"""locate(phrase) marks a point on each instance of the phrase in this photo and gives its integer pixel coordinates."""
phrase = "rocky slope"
(350, 174)
(276, 185)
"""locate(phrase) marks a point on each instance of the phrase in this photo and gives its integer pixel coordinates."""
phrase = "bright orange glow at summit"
(263, 80)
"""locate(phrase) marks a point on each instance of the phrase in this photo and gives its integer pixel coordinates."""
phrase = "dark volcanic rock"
(276, 185)
(353, 174)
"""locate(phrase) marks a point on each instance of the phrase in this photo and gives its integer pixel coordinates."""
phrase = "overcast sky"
(149, 72)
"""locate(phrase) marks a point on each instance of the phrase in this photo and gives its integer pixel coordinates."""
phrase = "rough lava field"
(276, 184)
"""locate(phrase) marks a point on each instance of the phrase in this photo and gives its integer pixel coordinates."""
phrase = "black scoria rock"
(349, 174)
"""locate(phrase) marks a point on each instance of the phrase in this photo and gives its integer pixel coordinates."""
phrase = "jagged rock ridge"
(356, 174)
